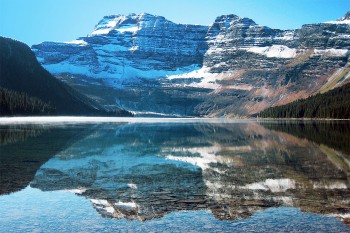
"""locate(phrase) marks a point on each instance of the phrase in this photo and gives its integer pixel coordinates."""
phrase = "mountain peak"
(226, 21)
(230, 17)
(343, 20)
(247, 22)
(345, 17)
(123, 23)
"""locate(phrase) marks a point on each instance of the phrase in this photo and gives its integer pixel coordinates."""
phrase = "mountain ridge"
(234, 67)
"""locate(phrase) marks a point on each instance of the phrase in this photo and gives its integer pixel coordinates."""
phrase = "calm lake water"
(175, 176)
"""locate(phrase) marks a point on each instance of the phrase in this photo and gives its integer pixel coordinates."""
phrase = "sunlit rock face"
(234, 67)
(124, 48)
(144, 171)
(254, 67)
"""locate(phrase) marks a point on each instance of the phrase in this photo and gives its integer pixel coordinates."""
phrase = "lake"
(174, 175)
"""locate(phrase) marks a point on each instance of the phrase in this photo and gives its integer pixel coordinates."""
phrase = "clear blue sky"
(35, 21)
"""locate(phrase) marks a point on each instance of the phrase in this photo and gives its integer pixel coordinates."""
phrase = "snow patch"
(347, 21)
(76, 191)
(77, 42)
(201, 162)
(134, 48)
(278, 51)
(104, 205)
(343, 216)
(332, 52)
(99, 202)
(195, 73)
(155, 113)
(101, 31)
(207, 156)
(128, 28)
(209, 80)
(106, 25)
(113, 69)
(218, 50)
(111, 24)
(274, 185)
(126, 205)
(109, 209)
(132, 186)
(286, 36)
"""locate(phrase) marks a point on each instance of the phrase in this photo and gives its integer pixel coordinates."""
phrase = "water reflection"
(25, 148)
(10, 134)
(144, 171)
(334, 134)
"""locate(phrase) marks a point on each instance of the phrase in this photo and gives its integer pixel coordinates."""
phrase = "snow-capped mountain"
(343, 20)
(146, 63)
(127, 47)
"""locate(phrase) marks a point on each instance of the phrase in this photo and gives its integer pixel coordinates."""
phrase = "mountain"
(234, 67)
(27, 87)
(333, 104)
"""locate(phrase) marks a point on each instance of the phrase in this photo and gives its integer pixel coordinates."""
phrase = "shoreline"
(92, 120)
(301, 119)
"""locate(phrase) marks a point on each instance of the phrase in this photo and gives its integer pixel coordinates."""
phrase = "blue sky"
(35, 21)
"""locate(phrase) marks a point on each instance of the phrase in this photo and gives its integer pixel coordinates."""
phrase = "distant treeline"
(19, 103)
(333, 104)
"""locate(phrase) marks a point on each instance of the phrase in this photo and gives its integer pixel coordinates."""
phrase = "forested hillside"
(16, 103)
(21, 72)
(333, 104)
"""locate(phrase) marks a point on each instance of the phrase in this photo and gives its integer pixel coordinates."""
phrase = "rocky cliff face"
(146, 63)
(128, 47)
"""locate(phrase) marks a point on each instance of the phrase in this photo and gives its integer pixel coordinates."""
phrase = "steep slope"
(20, 72)
(128, 47)
(17, 103)
(333, 104)
(234, 67)
(257, 67)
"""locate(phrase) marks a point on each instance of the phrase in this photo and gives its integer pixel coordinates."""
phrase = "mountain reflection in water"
(144, 171)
